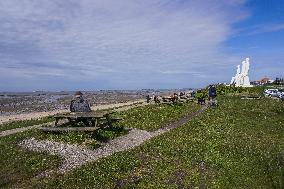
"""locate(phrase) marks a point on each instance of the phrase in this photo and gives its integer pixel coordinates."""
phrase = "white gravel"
(75, 155)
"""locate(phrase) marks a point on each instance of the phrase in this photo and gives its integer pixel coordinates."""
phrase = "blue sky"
(133, 44)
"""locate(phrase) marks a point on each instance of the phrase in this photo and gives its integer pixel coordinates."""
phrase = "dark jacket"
(80, 105)
(212, 91)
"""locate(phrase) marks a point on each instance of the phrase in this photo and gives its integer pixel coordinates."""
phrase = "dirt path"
(22, 129)
(75, 155)
(36, 115)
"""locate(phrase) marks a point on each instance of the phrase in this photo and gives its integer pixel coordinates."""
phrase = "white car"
(271, 92)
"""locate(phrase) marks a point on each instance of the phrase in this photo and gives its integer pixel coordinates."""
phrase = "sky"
(59, 45)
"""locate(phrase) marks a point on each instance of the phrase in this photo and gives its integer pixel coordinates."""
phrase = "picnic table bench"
(97, 119)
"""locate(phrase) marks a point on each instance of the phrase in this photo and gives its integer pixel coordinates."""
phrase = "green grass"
(18, 165)
(237, 145)
(25, 123)
(153, 117)
(150, 118)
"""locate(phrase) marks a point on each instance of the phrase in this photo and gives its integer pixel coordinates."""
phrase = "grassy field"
(154, 116)
(236, 145)
(19, 165)
(25, 123)
(151, 117)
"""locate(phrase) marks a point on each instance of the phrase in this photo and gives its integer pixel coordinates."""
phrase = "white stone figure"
(241, 78)
(238, 76)
(246, 82)
(235, 79)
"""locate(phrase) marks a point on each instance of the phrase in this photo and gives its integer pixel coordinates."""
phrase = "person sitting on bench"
(79, 104)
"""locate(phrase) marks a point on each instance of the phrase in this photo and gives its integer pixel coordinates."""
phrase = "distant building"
(262, 81)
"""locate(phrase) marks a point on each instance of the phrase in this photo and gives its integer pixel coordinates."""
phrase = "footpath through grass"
(153, 117)
(25, 123)
(150, 118)
(19, 166)
(237, 145)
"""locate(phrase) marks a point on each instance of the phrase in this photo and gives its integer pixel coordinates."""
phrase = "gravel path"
(75, 155)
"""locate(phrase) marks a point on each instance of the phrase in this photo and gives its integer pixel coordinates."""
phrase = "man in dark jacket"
(79, 104)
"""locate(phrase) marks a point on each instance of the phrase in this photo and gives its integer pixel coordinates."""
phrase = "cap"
(78, 93)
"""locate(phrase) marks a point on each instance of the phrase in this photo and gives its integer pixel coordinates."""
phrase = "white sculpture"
(235, 80)
(241, 78)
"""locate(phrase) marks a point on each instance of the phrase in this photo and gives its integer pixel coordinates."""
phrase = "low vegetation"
(239, 144)
(25, 123)
(19, 165)
(154, 116)
(151, 117)
(22, 166)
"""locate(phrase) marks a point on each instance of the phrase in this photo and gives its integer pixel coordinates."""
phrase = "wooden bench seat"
(68, 129)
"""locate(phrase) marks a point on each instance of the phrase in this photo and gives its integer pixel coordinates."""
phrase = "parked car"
(271, 92)
(281, 96)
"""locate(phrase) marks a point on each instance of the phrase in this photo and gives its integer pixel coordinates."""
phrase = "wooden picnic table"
(96, 119)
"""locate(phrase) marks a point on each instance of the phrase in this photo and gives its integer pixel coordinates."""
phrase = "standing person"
(148, 98)
(212, 93)
(79, 104)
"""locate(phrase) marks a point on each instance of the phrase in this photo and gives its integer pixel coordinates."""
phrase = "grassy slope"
(237, 145)
(25, 123)
(150, 118)
(18, 165)
(153, 117)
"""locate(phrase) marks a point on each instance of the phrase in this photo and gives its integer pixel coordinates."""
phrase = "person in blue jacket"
(212, 94)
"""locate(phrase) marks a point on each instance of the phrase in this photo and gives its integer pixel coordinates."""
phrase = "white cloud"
(105, 38)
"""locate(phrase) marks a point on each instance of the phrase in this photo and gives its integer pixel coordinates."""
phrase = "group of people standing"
(212, 94)
(199, 95)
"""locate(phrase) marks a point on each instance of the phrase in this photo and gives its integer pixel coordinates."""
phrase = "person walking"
(212, 94)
